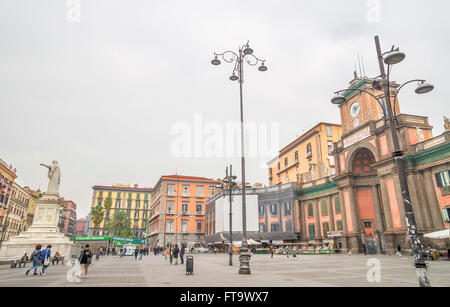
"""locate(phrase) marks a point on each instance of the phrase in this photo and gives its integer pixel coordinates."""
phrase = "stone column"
(331, 213)
(303, 206)
(379, 230)
(354, 208)
(317, 219)
(385, 203)
(418, 204)
(433, 200)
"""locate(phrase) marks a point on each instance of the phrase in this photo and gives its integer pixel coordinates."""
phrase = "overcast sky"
(102, 95)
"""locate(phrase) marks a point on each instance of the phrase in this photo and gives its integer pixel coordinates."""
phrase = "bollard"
(189, 265)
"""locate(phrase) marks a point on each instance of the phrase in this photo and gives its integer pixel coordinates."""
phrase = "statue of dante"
(54, 174)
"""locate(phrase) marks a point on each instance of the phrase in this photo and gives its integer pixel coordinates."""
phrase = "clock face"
(355, 109)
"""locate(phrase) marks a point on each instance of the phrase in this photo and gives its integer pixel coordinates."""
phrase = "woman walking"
(166, 253)
(85, 259)
(35, 256)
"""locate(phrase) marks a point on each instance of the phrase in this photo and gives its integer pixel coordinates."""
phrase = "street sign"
(129, 240)
(332, 234)
(91, 238)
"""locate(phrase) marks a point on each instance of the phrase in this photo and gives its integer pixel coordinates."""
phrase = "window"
(185, 190)
(330, 147)
(117, 203)
(443, 179)
(274, 227)
(273, 209)
(145, 204)
(329, 131)
(308, 150)
(129, 204)
(199, 208)
(170, 206)
(296, 157)
(199, 226)
(138, 204)
(169, 225)
(363, 160)
(367, 224)
(99, 202)
(311, 231)
(287, 208)
(200, 191)
(262, 227)
(310, 210)
(270, 172)
(261, 210)
(285, 162)
(278, 165)
(337, 204)
(184, 226)
(185, 207)
(213, 191)
(326, 229)
(288, 226)
(170, 190)
(323, 207)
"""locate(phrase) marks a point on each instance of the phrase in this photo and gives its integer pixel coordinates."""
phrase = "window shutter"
(438, 179)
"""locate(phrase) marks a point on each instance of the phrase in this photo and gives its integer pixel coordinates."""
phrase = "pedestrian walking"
(364, 249)
(271, 251)
(171, 254)
(176, 251)
(45, 259)
(399, 250)
(141, 252)
(121, 252)
(136, 251)
(166, 253)
(35, 257)
(85, 259)
(182, 251)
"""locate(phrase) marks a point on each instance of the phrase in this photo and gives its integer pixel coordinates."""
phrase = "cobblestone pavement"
(213, 270)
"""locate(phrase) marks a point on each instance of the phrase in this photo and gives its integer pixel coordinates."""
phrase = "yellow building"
(16, 212)
(307, 158)
(133, 200)
(34, 196)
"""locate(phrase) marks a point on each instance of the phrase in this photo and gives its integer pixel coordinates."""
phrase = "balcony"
(199, 213)
(308, 155)
(170, 211)
(185, 213)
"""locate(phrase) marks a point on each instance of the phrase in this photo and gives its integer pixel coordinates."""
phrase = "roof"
(186, 177)
(120, 188)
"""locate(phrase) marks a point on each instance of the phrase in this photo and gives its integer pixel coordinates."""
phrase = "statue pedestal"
(44, 230)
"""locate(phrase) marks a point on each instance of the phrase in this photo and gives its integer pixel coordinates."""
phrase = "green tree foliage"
(97, 214)
(120, 225)
(108, 202)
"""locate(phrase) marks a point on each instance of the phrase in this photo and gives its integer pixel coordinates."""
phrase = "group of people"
(43, 256)
(172, 252)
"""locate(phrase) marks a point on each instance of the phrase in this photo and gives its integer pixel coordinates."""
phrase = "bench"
(10, 264)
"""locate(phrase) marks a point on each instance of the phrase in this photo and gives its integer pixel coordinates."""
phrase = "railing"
(439, 140)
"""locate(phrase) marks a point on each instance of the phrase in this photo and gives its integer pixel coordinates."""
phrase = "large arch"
(362, 161)
(353, 153)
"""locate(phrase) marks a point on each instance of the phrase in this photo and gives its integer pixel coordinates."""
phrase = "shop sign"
(91, 238)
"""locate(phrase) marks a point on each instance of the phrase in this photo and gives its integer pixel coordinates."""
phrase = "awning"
(442, 234)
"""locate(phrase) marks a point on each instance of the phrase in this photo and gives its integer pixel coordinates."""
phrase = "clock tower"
(361, 107)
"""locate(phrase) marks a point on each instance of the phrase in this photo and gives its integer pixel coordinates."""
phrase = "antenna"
(359, 63)
(364, 69)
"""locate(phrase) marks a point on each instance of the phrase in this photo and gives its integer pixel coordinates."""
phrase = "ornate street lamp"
(245, 54)
(391, 58)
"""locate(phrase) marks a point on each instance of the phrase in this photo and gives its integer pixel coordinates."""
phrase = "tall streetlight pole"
(245, 53)
(391, 58)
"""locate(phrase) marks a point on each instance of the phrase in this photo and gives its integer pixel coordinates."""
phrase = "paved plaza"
(213, 270)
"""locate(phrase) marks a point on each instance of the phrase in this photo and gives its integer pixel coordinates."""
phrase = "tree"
(108, 202)
(120, 225)
(97, 214)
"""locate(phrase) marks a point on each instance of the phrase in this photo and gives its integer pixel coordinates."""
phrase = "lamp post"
(245, 53)
(228, 182)
(391, 58)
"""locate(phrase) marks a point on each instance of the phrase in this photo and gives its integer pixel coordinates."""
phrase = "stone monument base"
(44, 231)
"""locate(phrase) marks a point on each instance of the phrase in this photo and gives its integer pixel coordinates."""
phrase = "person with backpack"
(45, 259)
(141, 252)
(136, 252)
(35, 257)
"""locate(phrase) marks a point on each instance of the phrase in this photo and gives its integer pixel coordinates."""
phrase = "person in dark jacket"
(175, 252)
(85, 259)
(35, 257)
(182, 251)
(136, 252)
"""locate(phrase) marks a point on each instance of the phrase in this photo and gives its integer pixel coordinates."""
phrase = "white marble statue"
(420, 135)
(54, 174)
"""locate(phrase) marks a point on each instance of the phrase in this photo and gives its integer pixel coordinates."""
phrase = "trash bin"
(189, 265)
